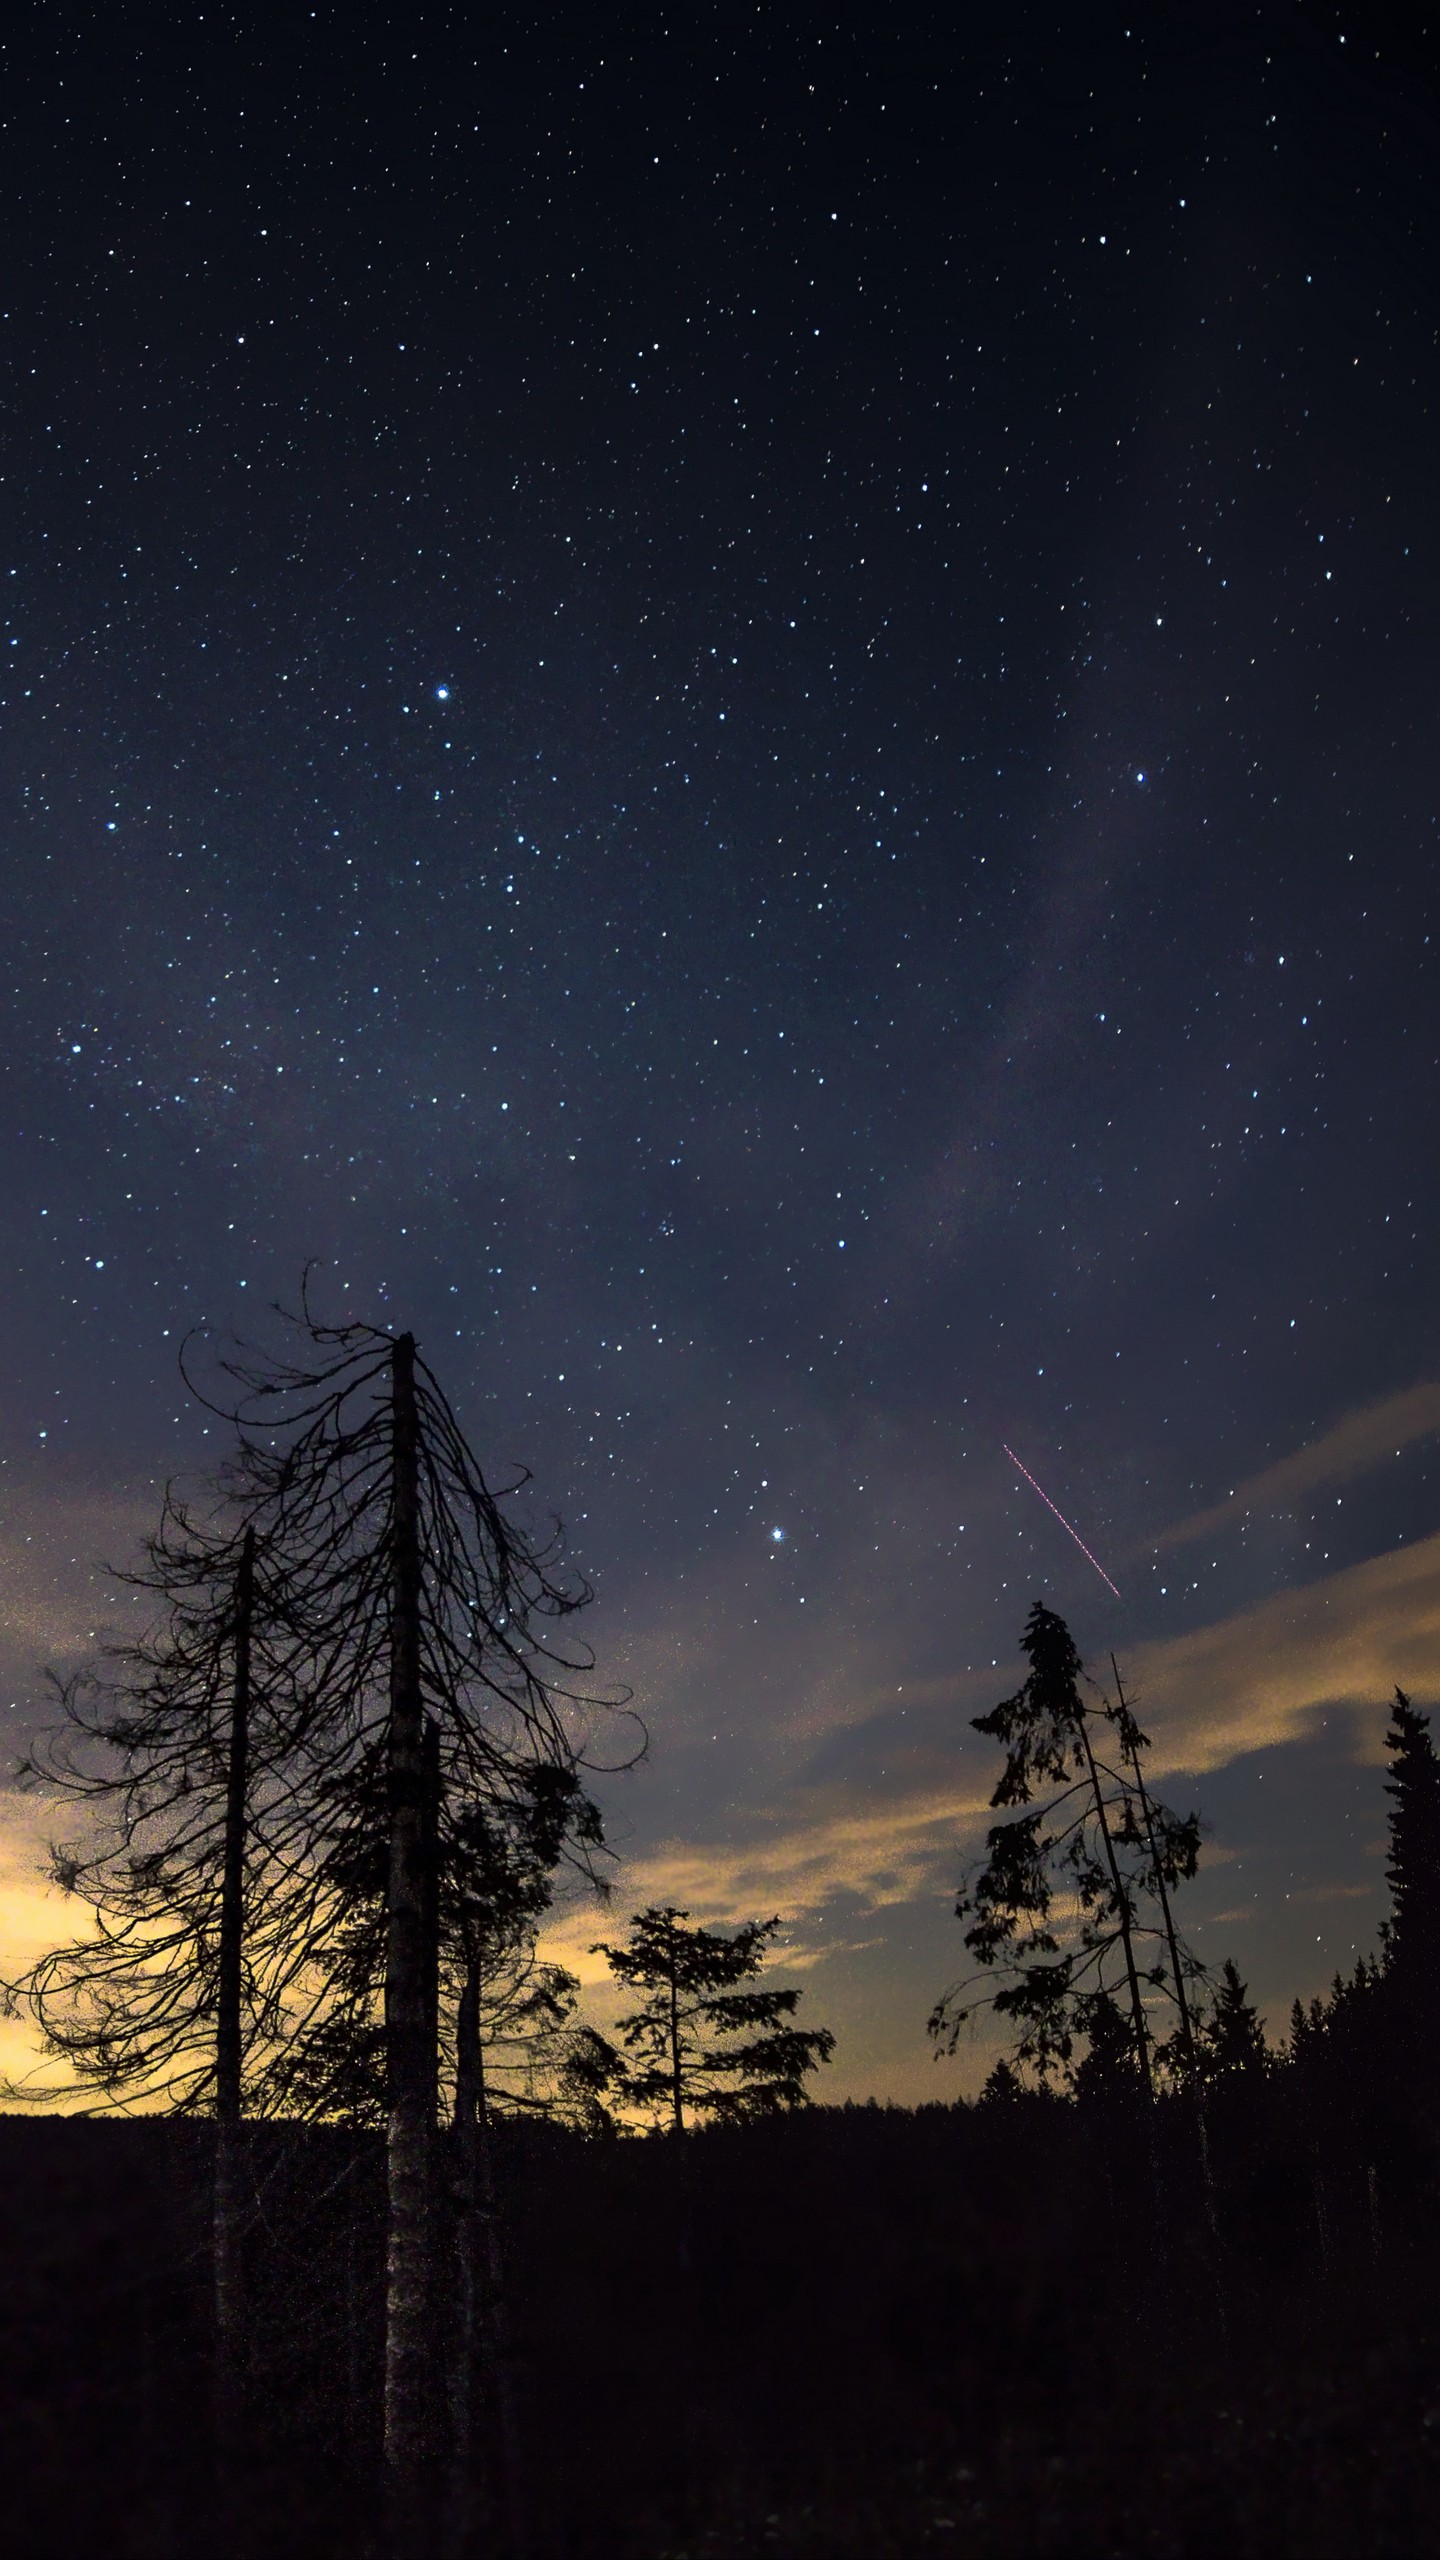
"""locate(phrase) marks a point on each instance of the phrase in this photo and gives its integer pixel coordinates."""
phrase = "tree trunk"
(430, 1872)
(229, 2041)
(482, 2308)
(1187, 2033)
(1122, 1913)
(497, 2316)
(409, 1992)
(1194, 2081)
(354, 2314)
(676, 2099)
(463, 2332)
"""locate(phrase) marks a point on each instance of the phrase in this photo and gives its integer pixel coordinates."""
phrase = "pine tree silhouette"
(1003, 2088)
(703, 2044)
(1069, 1921)
(1232, 2039)
(1412, 1960)
(1110, 2067)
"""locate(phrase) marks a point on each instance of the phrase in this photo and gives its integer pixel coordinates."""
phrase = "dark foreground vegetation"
(1022, 2327)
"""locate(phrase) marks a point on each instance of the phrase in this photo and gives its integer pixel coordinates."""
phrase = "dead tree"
(229, 2019)
(410, 1955)
(184, 1750)
(426, 1609)
(357, 1677)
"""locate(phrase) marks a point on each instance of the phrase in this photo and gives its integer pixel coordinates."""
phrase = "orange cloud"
(841, 1860)
(797, 1867)
(33, 1915)
(1361, 1441)
(1252, 1681)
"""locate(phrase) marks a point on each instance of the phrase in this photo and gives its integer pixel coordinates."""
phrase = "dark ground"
(861, 2332)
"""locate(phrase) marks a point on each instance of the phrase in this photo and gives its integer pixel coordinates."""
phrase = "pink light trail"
(1060, 1516)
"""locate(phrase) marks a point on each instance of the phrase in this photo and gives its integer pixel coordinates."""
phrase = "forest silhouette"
(346, 2231)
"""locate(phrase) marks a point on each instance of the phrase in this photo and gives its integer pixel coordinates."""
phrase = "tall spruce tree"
(1412, 1951)
(1232, 2038)
(1385, 2015)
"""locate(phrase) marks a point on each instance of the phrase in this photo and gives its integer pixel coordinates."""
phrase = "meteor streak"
(1060, 1516)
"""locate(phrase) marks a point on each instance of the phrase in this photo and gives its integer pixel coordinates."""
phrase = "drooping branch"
(1070, 1905)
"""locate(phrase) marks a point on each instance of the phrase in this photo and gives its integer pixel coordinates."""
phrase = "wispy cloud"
(1261, 1678)
(827, 1857)
(1361, 1441)
(868, 1816)
(55, 1595)
(822, 1870)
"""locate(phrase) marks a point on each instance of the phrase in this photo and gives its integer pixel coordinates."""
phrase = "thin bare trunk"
(354, 2418)
(482, 2309)
(676, 2099)
(497, 2316)
(1187, 2031)
(1122, 1913)
(430, 1870)
(463, 2333)
(409, 1994)
(229, 2041)
(1193, 2078)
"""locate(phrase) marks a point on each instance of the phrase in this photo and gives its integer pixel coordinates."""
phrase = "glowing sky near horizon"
(742, 715)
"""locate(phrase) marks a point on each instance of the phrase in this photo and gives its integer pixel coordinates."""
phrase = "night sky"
(742, 714)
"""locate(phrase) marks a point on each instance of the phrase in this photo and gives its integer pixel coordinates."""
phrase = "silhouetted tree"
(1109, 2067)
(1232, 2038)
(504, 2018)
(507, 2037)
(513, 2033)
(1097, 1844)
(1172, 1849)
(184, 1749)
(1003, 2086)
(1333, 2019)
(1412, 1945)
(229, 2006)
(702, 2043)
(1305, 2025)
(434, 1682)
(356, 1722)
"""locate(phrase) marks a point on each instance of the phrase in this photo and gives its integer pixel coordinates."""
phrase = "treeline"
(1074, 1935)
(824, 2333)
(388, 2280)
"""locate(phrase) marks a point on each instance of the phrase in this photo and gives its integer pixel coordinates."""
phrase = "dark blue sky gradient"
(742, 714)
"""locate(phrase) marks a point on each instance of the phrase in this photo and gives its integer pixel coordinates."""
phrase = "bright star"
(442, 693)
(779, 1537)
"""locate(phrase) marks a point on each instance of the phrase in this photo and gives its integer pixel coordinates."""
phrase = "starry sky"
(740, 712)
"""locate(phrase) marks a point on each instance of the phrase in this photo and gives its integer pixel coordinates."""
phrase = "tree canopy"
(702, 2042)
(1068, 1915)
